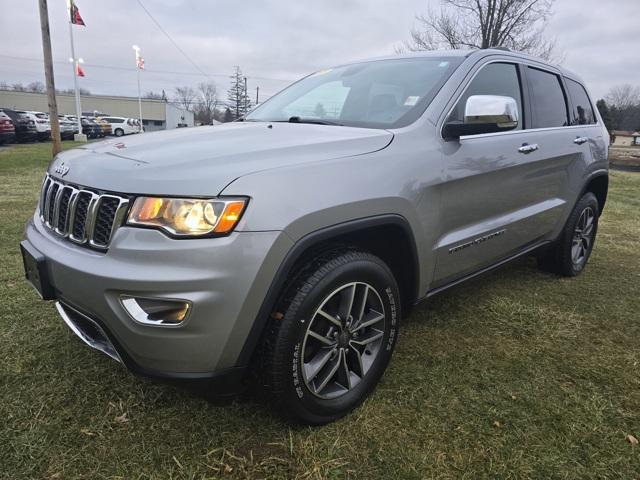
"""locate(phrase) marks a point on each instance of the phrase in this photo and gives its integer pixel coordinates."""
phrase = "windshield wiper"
(314, 121)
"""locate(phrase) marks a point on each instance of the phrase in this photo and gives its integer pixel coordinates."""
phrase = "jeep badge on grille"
(61, 169)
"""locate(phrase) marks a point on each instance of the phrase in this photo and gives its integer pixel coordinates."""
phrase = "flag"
(74, 14)
(139, 60)
(79, 70)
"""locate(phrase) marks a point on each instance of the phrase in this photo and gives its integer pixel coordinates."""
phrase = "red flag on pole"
(139, 60)
(79, 70)
(74, 14)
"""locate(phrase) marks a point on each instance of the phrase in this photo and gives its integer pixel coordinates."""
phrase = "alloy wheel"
(343, 340)
(582, 236)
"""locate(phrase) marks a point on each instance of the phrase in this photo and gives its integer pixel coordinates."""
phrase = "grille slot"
(51, 202)
(80, 218)
(83, 216)
(104, 219)
(63, 209)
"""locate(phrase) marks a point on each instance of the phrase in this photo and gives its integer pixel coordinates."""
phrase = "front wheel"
(332, 340)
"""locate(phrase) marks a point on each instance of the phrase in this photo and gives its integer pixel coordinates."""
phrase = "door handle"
(526, 148)
(580, 140)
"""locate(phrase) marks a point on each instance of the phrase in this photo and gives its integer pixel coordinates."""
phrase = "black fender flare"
(298, 249)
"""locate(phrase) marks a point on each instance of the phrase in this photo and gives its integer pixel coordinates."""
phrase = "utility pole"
(257, 95)
(48, 75)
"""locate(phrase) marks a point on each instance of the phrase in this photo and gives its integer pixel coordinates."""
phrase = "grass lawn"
(516, 375)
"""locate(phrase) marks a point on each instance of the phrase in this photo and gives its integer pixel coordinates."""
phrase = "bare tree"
(516, 24)
(152, 95)
(37, 87)
(18, 87)
(623, 97)
(207, 102)
(185, 96)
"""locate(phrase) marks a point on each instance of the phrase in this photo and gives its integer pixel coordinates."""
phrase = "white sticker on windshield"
(443, 64)
(412, 100)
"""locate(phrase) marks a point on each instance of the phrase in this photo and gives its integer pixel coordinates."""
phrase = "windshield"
(376, 94)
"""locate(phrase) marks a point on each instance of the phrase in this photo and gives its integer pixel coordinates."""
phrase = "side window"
(492, 79)
(548, 103)
(582, 112)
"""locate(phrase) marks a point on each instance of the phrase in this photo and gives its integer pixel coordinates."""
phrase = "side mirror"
(484, 114)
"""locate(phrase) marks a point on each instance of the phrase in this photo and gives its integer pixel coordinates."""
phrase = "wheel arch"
(598, 184)
(389, 237)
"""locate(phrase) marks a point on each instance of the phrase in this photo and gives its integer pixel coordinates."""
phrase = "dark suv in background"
(25, 129)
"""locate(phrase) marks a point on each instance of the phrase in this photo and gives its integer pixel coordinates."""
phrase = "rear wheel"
(118, 132)
(327, 349)
(570, 254)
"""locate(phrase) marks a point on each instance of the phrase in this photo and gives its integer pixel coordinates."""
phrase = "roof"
(473, 52)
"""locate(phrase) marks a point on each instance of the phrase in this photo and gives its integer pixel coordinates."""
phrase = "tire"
(569, 255)
(118, 132)
(298, 365)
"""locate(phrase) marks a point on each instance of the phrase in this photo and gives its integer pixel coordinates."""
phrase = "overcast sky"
(275, 41)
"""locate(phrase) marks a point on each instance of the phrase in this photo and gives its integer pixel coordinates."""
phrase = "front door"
(505, 191)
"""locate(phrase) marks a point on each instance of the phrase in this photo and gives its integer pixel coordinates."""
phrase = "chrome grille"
(83, 216)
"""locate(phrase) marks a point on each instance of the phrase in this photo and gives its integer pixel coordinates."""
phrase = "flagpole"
(138, 68)
(74, 67)
(139, 103)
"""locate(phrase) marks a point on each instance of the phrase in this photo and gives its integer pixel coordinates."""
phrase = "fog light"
(156, 311)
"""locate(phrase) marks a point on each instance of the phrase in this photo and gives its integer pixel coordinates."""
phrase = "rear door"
(504, 192)
(591, 137)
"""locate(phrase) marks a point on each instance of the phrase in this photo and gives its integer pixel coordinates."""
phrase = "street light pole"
(137, 50)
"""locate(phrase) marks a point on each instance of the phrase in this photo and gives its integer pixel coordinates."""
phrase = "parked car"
(68, 128)
(121, 125)
(7, 129)
(43, 125)
(105, 126)
(25, 128)
(91, 129)
(294, 241)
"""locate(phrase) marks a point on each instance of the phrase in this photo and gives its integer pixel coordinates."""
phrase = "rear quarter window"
(581, 108)
(548, 102)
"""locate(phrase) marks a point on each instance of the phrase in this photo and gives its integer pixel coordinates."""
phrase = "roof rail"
(506, 49)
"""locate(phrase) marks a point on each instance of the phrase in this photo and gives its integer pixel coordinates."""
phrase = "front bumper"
(225, 279)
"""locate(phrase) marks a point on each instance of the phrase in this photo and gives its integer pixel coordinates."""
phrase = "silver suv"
(291, 243)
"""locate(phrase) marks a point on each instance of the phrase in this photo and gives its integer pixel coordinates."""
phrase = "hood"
(203, 160)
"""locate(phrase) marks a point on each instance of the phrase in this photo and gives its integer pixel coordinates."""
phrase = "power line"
(131, 69)
(171, 39)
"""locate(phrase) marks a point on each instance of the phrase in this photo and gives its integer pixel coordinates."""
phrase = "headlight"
(187, 217)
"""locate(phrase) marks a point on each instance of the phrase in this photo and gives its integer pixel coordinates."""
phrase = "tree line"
(203, 99)
(620, 108)
(206, 104)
